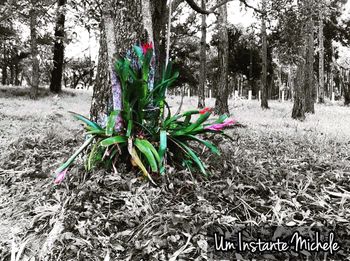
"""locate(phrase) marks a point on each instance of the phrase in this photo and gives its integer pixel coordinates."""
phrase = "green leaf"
(162, 144)
(138, 51)
(91, 124)
(193, 156)
(152, 149)
(221, 119)
(129, 128)
(178, 116)
(97, 132)
(91, 157)
(72, 158)
(113, 140)
(111, 122)
(208, 144)
(162, 149)
(135, 160)
(148, 153)
(193, 126)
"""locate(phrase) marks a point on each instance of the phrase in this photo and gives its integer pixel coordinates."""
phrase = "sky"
(82, 43)
(237, 15)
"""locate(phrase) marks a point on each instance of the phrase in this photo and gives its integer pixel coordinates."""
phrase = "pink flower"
(205, 110)
(220, 126)
(60, 176)
(146, 46)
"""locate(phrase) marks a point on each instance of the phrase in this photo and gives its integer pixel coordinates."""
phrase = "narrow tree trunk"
(160, 15)
(34, 52)
(299, 91)
(309, 70)
(58, 49)
(301, 78)
(12, 73)
(250, 67)
(221, 103)
(4, 66)
(321, 56)
(346, 86)
(264, 86)
(203, 61)
(17, 82)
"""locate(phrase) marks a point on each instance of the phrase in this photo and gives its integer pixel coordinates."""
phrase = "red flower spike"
(205, 110)
(146, 46)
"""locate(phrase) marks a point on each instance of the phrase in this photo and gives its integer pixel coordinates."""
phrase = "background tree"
(58, 49)
(321, 53)
(33, 13)
(221, 104)
(264, 86)
(203, 59)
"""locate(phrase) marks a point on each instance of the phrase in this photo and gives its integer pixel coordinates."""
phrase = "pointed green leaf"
(138, 51)
(148, 153)
(193, 156)
(113, 140)
(208, 144)
(72, 158)
(111, 122)
(89, 123)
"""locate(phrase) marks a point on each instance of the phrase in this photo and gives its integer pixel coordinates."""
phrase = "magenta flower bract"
(220, 126)
(60, 176)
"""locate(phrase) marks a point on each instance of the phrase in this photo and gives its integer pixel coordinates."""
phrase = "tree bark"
(298, 112)
(321, 56)
(264, 86)
(203, 61)
(34, 52)
(160, 14)
(221, 103)
(120, 30)
(309, 70)
(58, 49)
(4, 67)
(346, 86)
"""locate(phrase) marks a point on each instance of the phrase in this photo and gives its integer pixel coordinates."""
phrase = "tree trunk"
(4, 67)
(264, 86)
(203, 61)
(120, 30)
(321, 56)
(309, 70)
(299, 91)
(17, 82)
(34, 52)
(160, 15)
(58, 49)
(221, 103)
(347, 94)
(346, 86)
(300, 80)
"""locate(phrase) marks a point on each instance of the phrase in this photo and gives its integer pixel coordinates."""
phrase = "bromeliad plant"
(149, 134)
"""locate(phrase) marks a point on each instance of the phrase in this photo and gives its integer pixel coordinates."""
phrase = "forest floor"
(278, 172)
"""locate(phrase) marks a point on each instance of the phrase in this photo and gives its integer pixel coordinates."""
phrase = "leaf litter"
(265, 177)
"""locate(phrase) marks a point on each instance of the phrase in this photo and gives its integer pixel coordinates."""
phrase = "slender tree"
(309, 70)
(221, 102)
(264, 86)
(203, 60)
(34, 50)
(321, 54)
(58, 50)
